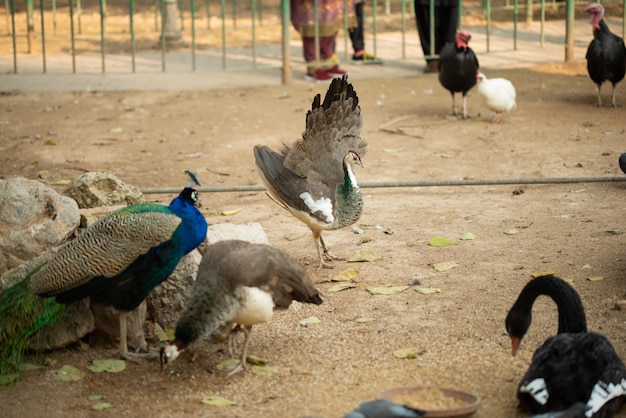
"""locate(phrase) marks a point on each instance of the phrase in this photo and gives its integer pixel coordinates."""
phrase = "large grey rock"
(33, 218)
(95, 189)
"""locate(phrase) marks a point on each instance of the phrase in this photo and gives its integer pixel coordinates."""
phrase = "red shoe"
(318, 75)
(335, 71)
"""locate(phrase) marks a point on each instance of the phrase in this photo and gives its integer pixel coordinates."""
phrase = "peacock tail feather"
(22, 315)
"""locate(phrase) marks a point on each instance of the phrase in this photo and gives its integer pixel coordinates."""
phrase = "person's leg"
(422, 19)
(356, 33)
(314, 69)
(327, 50)
(446, 26)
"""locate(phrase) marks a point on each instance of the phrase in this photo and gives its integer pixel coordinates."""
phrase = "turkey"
(606, 54)
(238, 285)
(497, 93)
(458, 67)
(314, 178)
(572, 367)
(622, 162)
(116, 261)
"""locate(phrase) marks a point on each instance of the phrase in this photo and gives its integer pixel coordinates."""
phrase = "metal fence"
(140, 35)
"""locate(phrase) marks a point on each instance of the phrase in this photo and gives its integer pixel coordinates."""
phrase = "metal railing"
(221, 31)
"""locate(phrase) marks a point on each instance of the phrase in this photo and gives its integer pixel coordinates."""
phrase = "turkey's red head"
(462, 39)
(596, 13)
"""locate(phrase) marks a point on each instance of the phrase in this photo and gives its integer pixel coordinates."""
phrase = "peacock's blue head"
(189, 193)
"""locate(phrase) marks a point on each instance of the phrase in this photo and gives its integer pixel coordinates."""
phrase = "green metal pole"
(54, 17)
(103, 9)
(488, 25)
(252, 18)
(163, 43)
(13, 36)
(8, 15)
(316, 26)
(43, 36)
(459, 19)
(30, 24)
(569, 30)
(403, 14)
(375, 24)
(72, 36)
(543, 23)
(287, 74)
(515, 16)
(131, 13)
(223, 34)
(234, 14)
(192, 7)
(79, 13)
(345, 31)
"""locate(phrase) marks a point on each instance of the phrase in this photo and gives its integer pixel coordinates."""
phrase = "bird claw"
(241, 367)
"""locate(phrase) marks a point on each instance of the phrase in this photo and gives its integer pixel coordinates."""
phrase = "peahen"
(572, 367)
(606, 54)
(117, 262)
(458, 67)
(314, 178)
(238, 285)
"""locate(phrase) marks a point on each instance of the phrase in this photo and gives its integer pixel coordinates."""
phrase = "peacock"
(314, 178)
(238, 285)
(116, 262)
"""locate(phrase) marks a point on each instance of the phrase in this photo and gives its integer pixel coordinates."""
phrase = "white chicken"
(497, 93)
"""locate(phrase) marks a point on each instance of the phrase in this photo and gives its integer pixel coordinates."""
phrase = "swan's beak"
(515, 343)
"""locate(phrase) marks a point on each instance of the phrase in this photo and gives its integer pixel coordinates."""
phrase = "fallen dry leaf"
(230, 212)
(340, 286)
(346, 275)
(511, 231)
(69, 373)
(595, 278)
(445, 265)
(309, 321)
(386, 290)
(217, 401)
(441, 242)
(363, 256)
(468, 236)
(427, 290)
(536, 274)
(407, 353)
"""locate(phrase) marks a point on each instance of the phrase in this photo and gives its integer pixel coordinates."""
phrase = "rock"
(33, 218)
(78, 321)
(252, 232)
(107, 321)
(95, 189)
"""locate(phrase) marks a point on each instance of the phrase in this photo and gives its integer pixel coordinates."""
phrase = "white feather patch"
(602, 393)
(258, 307)
(537, 389)
(323, 205)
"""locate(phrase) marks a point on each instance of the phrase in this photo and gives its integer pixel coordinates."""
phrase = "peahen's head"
(169, 353)
(462, 39)
(353, 158)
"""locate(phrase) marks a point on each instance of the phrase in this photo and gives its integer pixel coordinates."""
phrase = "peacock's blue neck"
(193, 228)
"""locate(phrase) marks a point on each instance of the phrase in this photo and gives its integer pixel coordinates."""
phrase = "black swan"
(574, 366)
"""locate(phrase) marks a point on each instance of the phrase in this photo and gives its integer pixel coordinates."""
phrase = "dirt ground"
(327, 369)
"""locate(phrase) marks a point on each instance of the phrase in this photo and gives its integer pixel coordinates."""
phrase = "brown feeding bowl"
(440, 403)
